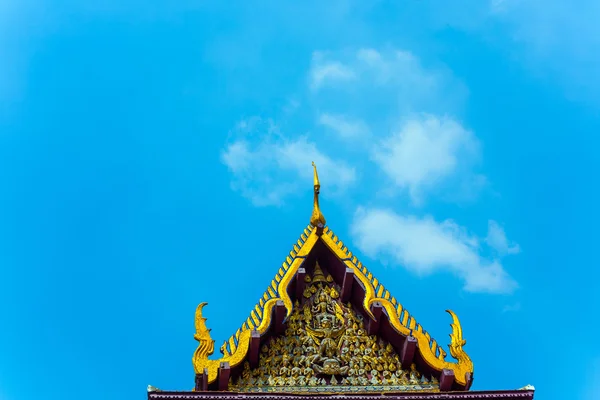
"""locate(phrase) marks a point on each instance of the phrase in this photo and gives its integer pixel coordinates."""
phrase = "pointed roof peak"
(317, 219)
(375, 301)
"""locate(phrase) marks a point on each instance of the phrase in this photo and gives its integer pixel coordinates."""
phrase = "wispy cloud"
(345, 127)
(396, 66)
(323, 71)
(418, 152)
(497, 240)
(424, 246)
(391, 77)
(264, 163)
(426, 151)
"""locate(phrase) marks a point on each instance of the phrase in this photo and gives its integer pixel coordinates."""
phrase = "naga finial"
(456, 340)
(206, 344)
(317, 219)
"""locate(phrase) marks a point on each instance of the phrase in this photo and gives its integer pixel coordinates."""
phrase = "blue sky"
(154, 156)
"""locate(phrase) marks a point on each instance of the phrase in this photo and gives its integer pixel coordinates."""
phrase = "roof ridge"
(235, 349)
(406, 319)
(433, 354)
(257, 315)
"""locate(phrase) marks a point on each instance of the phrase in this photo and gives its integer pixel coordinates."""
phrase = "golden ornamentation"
(325, 330)
(206, 345)
(400, 319)
(235, 349)
(317, 219)
(326, 348)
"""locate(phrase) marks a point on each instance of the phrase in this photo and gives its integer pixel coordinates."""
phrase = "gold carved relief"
(433, 354)
(326, 348)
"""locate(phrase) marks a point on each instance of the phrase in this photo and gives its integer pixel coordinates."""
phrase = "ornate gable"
(326, 348)
(342, 324)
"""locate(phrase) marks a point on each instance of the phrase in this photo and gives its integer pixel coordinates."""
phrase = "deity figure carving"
(414, 375)
(326, 333)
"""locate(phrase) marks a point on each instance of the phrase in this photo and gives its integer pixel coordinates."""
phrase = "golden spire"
(317, 219)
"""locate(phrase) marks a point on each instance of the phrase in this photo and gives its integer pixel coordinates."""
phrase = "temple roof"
(474, 395)
(383, 314)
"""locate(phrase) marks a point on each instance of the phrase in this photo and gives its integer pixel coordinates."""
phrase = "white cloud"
(397, 67)
(323, 71)
(265, 165)
(496, 239)
(345, 127)
(393, 78)
(428, 154)
(424, 246)
(425, 152)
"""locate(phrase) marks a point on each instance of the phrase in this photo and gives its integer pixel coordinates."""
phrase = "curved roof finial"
(317, 219)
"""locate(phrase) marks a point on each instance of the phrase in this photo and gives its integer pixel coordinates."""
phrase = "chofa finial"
(317, 219)
(206, 345)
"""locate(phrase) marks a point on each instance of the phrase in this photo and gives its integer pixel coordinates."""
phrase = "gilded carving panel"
(326, 349)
